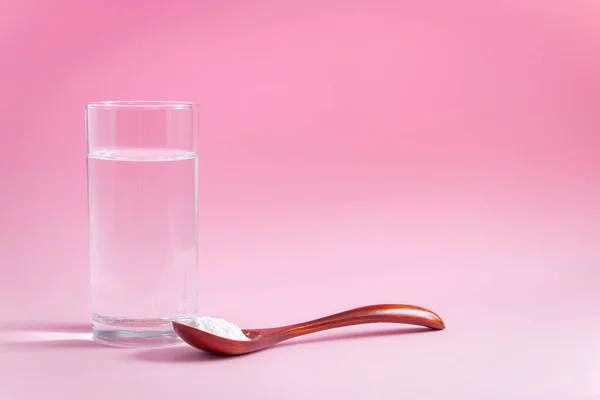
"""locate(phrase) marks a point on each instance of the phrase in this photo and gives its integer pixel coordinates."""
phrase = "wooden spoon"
(263, 338)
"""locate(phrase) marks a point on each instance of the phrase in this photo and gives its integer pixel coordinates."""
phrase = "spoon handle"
(394, 313)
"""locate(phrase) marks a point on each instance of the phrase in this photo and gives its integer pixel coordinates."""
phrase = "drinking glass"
(142, 209)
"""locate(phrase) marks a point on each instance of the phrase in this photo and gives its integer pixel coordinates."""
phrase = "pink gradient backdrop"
(439, 153)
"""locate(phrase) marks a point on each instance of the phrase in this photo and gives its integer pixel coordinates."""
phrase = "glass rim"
(142, 104)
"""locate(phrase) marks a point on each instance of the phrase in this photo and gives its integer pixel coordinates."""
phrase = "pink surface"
(438, 153)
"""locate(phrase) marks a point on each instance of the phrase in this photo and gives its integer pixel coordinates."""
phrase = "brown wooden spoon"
(263, 338)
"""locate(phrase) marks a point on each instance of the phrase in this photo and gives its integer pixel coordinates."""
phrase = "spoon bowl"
(267, 337)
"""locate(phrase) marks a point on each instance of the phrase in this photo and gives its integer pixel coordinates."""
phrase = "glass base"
(123, 332)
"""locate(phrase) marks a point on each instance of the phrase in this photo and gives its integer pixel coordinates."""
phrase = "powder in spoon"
(219, 327)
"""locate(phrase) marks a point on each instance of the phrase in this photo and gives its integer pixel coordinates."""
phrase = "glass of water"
(143, 219)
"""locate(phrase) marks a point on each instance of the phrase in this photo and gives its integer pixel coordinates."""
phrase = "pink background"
(441, 153)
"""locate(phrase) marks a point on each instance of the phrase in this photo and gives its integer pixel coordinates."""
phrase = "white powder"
(219, 327)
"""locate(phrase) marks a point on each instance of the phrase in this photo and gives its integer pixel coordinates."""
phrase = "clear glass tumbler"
(143, 208)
